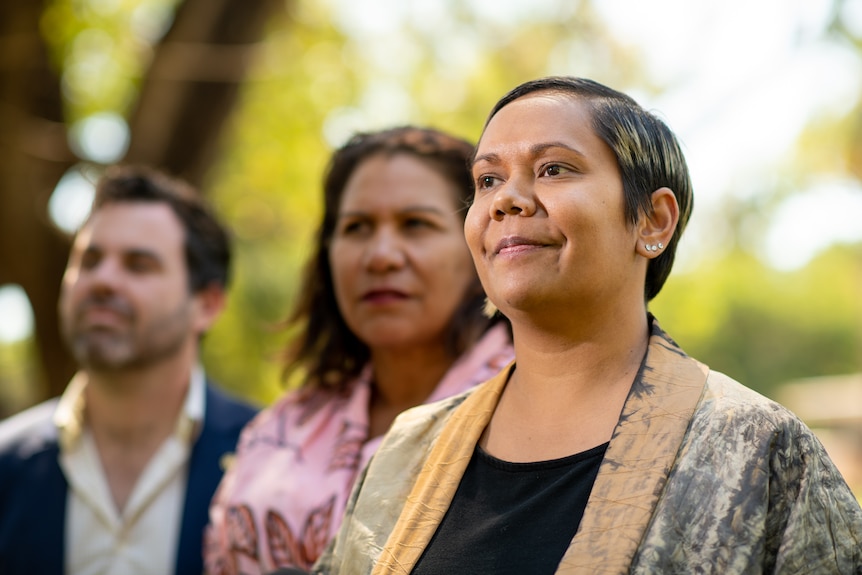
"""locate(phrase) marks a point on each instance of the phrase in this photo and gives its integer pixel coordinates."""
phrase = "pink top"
(282, 499)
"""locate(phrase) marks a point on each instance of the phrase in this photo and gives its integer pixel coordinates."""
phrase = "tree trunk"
(193, 82)
(33, 156)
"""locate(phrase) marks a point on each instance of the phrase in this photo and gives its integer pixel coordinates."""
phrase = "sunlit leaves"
(103, 49)
(766, 327)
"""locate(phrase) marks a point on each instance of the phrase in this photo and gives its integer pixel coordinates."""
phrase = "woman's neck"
(403, 379)
(567, 390)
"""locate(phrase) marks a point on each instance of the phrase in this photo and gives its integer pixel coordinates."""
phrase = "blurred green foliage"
(102, 49)
(317, 80)
(18, 376)
(765, 327)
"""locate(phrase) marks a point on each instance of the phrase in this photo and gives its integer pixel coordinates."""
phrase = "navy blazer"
(33, 488)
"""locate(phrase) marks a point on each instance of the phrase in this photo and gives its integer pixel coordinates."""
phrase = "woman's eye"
(417, 223)
(484, 182)
(348, 228)
(553, 170)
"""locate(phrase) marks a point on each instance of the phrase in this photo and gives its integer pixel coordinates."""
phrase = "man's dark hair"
(207, 244)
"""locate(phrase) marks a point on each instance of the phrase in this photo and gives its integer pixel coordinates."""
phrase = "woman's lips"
(380, 296)
(515, 244)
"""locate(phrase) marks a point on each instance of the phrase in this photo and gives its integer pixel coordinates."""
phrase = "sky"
(747, 76)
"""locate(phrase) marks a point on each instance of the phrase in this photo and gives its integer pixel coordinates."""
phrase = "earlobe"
(210, 301)
(656, 230)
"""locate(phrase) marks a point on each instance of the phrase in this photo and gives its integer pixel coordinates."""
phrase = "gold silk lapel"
(439, 479)
(635, 468)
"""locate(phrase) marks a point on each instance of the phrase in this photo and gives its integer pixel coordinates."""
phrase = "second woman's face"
(400, 265)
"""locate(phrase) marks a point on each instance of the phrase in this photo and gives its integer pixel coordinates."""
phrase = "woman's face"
(547, 230)
(400, 265)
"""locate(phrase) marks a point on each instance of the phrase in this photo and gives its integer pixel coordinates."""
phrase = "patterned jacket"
(702, 475)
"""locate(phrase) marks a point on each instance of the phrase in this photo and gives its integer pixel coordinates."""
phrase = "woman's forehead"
(539, 120)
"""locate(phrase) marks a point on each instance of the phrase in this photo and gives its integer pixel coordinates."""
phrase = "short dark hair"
(647, 152)
(325, 349)
(207, 243)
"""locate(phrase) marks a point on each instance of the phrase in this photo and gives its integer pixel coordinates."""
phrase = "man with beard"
(115, 476)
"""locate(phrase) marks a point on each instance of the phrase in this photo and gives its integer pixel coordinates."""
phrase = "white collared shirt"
(143, 539)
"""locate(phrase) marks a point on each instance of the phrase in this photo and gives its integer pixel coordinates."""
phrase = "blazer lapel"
(48, 516)
(218, 436)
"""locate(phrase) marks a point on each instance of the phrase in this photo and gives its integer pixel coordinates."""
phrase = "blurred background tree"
(246, 98)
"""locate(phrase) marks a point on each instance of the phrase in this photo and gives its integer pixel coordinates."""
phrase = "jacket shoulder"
(29, 431)
(731, 401)
(226, 410)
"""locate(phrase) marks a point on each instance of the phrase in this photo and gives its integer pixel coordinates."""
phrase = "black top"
(512, 517)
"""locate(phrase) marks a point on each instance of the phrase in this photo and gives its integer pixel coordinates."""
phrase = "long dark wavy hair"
(326, 352)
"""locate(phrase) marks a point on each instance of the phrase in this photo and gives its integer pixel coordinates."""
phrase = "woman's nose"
(385, 251)
(513, 198)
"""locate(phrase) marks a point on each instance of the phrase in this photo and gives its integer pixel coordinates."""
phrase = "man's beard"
(132, 345)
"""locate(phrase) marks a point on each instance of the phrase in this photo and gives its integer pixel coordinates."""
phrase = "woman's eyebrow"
(491, 158)
(535, 150)
(539, 149)
(404, 210)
